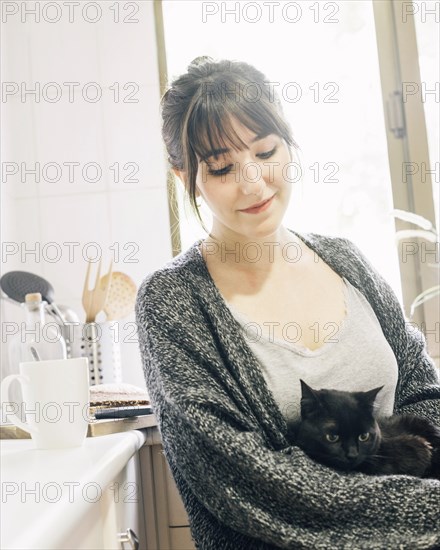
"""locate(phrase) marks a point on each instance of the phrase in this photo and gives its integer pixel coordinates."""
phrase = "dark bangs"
(209, 123)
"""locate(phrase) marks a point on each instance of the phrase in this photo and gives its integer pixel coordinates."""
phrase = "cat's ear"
(306, 391)
(309, 399)
(370, 396)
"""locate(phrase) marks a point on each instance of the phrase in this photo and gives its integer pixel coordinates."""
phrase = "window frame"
(399, 65)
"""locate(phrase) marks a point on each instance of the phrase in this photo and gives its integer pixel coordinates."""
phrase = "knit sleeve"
(418, 387)
(278, 498)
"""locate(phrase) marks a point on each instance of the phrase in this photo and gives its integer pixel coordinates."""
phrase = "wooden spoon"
(121, 297)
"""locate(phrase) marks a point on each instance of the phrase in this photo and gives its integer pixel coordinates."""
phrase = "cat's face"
(338, 428)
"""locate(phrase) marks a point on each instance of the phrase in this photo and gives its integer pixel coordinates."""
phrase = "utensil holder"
(96, 341)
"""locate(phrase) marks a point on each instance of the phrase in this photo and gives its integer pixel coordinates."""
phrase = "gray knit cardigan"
(223, 435)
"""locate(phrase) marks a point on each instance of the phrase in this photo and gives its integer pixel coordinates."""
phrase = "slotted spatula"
(121, 297)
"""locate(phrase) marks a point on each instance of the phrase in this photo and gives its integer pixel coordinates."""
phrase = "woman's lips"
(257, 209)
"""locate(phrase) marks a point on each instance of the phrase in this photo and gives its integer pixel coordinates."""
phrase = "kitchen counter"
(47, 494)
(95, 428)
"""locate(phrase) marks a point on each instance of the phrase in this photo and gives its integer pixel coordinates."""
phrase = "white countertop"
(42, 490)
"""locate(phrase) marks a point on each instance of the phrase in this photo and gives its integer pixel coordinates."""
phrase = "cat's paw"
(424, 428)
(434, 470)
(421, 450)
(405, 454)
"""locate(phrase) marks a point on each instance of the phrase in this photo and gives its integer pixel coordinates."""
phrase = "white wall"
(106, 132)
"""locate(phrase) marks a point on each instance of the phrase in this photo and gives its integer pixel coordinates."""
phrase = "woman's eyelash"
(268, 154)
(227, 169)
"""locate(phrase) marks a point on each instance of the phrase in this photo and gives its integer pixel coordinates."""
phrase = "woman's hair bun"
(199, 61)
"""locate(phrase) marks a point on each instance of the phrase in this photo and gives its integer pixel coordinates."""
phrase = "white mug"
(55, 401)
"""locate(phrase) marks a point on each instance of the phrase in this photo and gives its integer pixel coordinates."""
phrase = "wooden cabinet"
(167, 524)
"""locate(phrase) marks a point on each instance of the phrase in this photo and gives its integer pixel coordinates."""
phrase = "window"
(327, 60)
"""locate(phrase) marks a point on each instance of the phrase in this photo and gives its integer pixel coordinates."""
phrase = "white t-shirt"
(355, 357)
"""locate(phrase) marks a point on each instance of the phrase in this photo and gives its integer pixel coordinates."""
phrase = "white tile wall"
(131, 216)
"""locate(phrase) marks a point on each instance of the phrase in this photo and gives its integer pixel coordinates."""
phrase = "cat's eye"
(332, 438)
(364, 437)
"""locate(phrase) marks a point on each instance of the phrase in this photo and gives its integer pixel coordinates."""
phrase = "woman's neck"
(277, 251)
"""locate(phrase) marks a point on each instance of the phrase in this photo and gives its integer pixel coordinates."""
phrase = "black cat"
(339, 429)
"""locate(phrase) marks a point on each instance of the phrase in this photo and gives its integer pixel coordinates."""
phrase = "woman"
(225, 395)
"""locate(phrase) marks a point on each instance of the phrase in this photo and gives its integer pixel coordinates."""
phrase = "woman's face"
(237, 180)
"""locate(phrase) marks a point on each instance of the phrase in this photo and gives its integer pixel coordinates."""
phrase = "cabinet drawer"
(86, 535)
(180, 538)
(177, 516)
(167, 523)
(122, 506)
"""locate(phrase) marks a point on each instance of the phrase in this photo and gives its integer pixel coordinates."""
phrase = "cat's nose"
(352, 453)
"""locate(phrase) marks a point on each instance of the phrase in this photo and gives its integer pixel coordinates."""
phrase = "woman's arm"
(418, 390)
(282, 498)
